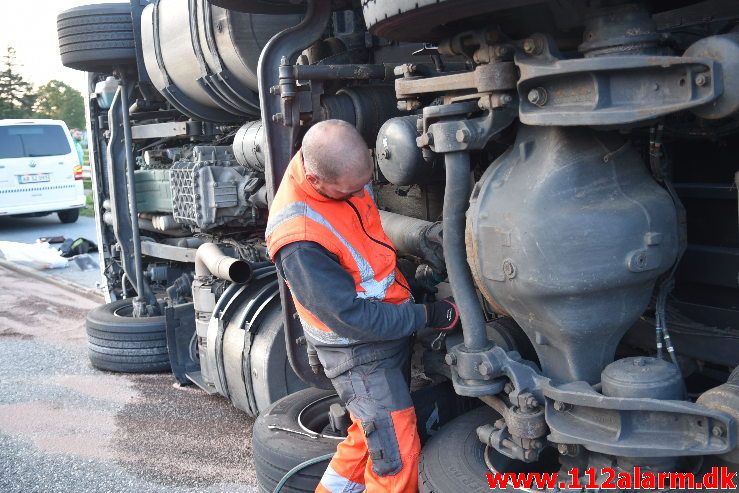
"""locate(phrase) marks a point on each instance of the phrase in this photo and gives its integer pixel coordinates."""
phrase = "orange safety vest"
(355, 237)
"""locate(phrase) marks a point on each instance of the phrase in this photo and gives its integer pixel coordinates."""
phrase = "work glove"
(442, 315)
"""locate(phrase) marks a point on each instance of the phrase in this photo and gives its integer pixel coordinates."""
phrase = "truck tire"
(97, 38)
(420, 20)
(69, 216)
(455, 456)
(276, 450)
(118, 342)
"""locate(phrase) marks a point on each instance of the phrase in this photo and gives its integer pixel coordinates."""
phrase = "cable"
(660, 170)
(299, 468)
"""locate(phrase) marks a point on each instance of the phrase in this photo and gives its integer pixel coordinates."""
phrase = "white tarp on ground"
(36, 255)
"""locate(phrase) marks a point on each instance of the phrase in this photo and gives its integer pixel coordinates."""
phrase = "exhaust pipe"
(211, 261)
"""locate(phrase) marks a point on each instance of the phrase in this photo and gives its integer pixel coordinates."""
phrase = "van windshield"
(33, 141)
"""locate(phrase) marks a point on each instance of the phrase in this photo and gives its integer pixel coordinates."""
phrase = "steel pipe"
(141, 287)
(211, 261)
(456, 201)
(415, 237)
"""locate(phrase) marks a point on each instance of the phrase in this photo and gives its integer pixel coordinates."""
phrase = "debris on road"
(37, 255)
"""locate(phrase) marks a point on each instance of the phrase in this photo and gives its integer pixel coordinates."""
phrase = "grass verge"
(89, 209)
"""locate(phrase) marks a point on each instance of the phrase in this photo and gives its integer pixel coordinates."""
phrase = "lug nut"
(508, 388)
(484, 369)
(538, 96)
(717, 431)
(531, 402)
(450, 359)
(499, 424)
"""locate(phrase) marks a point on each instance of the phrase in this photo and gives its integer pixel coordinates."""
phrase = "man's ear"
(312, 179)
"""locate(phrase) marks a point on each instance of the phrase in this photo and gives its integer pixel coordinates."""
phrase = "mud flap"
(181, 341)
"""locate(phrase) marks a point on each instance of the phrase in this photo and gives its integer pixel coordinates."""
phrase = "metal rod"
(346, 72)
(131, 179)
(456, 201)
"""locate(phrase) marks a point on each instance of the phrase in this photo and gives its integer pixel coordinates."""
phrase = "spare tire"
(288, 434)
(119, 342)
(97, 38)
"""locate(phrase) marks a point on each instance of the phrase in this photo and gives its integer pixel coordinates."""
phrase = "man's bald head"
(334, 148)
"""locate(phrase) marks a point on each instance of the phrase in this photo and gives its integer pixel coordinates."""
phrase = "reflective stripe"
(293, 210)
(324, 337)
(336, 483)
(377, 289)
(373, 289)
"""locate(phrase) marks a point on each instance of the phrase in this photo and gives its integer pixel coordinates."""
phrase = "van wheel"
(69, 216)
(281, 440)
(119, 342)
(96, 38)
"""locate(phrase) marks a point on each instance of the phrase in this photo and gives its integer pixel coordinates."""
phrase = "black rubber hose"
(456, 201)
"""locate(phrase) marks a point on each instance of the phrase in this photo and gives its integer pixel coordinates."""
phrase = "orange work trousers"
(380, 453)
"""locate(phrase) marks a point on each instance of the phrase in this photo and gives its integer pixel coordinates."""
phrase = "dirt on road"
(65, 426)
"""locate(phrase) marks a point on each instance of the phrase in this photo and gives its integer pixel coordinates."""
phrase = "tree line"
(55, 99)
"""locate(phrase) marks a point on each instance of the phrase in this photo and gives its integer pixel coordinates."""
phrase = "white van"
(40, 171)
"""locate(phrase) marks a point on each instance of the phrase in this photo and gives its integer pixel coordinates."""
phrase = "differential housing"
(567, 232)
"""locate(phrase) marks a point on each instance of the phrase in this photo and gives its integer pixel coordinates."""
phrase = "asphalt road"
(29, 229)
(65, 426)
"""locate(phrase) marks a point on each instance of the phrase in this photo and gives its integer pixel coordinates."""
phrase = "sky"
(29, 26)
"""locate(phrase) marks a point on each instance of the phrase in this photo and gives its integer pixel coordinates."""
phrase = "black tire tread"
(68, 216)
(129, 364)
(81, 38)
(429, 463)
(106, 338)
(96, 37)
(125, 344)
(277, 451)
(125, 352)
(93, 20)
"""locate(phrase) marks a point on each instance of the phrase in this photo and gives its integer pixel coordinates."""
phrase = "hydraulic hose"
(456, 201)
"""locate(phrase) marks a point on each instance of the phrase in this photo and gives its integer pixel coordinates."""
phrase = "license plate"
(37, 178)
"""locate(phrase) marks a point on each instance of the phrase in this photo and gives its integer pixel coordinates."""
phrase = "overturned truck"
(565, 169)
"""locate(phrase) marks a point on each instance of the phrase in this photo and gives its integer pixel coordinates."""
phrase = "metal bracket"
(614, 90)
(577, 414)
(448, 128)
